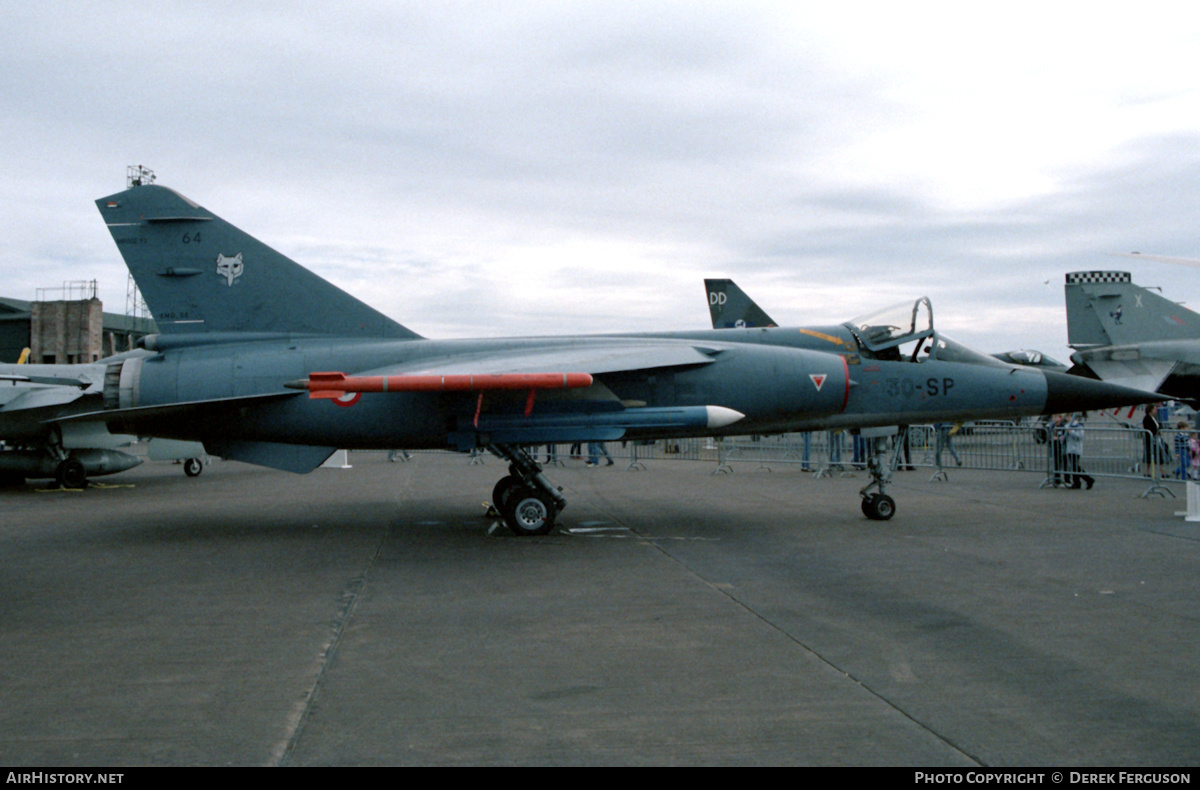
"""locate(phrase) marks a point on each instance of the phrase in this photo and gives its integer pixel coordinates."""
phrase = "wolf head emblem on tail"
(229, 268)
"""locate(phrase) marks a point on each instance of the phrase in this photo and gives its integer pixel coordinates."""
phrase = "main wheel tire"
(71, 474)
(504, 486)
(192, 467)
(529, 511)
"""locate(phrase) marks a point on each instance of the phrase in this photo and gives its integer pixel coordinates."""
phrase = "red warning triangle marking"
(818, 379)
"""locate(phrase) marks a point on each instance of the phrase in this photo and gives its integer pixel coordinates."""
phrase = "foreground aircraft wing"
(521, 369)
(596, 413)
(594, 358)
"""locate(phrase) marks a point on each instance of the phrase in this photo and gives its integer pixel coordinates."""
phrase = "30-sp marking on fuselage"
(907, 388)
(230, 268)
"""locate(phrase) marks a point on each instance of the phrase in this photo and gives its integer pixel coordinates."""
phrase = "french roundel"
(349, 399)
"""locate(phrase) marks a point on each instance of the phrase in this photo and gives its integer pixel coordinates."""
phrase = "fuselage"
(779, 379)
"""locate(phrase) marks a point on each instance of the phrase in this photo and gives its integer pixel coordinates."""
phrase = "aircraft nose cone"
(1065, 394)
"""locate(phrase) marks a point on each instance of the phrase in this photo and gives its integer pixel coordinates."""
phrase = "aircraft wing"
(1145, 375)
(1140, 365)
(521, 369)
(38, 397)
(591, 358)
(57, 381)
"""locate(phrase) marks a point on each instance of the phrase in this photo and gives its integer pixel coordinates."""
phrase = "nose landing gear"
(877, 505)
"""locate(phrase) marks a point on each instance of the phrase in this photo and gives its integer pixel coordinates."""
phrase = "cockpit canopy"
(1031, 358)
(905, 331)
(892, 327)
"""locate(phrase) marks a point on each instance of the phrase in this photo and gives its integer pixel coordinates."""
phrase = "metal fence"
(1108, 451)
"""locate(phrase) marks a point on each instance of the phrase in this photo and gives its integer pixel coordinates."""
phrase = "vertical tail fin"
(1107, 309)
(198, 273)
(731, 307)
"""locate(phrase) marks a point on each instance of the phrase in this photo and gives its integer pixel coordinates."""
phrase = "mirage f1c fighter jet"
(265, 362)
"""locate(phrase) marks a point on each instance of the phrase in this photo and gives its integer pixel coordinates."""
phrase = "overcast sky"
(516, 168)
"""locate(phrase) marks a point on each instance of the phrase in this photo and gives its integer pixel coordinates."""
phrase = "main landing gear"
(877, 505)
(528, 501)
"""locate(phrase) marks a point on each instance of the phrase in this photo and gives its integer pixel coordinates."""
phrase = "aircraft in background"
(1031, 358)
(263, 361)
(731, 307)
(32, 398)
(35, 442)
(1129, 335)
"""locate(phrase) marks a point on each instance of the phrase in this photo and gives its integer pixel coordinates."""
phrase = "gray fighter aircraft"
(35, 442)
(32, 399)
(1129, 335)
(265, 362)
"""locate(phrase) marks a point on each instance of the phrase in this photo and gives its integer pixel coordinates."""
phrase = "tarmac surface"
(371, 616)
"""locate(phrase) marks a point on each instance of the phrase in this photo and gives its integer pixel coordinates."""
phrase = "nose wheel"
(878, 507)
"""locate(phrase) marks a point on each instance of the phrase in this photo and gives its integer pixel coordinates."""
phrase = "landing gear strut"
(68, 472)
(528, 501)
(878, 506)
